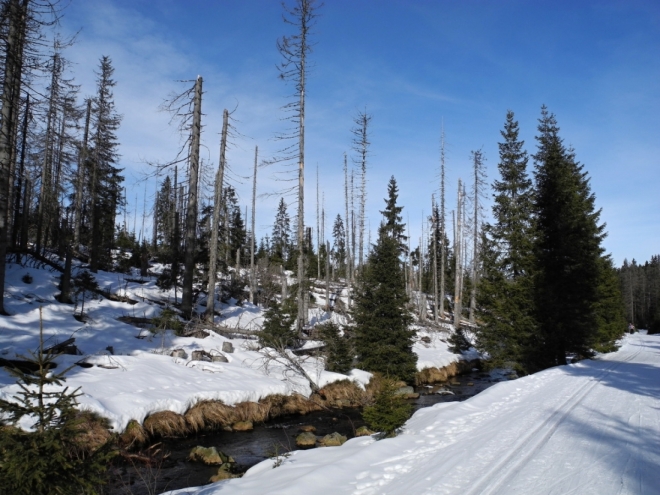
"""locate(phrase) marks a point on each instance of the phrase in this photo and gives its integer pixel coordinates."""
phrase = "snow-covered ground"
(138, 376)
(587, 428)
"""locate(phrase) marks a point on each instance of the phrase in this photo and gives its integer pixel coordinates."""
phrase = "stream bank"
(172, 470)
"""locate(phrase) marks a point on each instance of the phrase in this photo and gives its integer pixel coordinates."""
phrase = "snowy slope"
(138, 377)
(587, 428)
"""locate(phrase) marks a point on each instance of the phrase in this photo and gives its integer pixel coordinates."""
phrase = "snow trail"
(587, 428)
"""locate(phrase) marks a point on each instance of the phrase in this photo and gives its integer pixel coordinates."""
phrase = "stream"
(269, 439)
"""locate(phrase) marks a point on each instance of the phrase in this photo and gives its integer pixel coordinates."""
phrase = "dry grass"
(165, 424)
(94, 431)
(344, 393)
(134, 434)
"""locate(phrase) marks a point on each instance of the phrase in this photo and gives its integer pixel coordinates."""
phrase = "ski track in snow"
(588, 428)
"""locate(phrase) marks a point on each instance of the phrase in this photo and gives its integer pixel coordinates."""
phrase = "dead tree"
(457, 254)
(477, 193)
(217, 206)
(361, 147)
(253, 275)
(191, 213)
(294, 50)
(349, 258)
(443, 230)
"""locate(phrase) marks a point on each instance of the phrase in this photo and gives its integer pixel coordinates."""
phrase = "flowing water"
(267, 440)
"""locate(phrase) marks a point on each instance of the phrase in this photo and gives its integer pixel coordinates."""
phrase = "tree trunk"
(217, 206)
(457, 254)
(19, 185)
(434, 221)
(349, 273)
(13, 62)
(191, 213)
(443, 230)
(253, 275)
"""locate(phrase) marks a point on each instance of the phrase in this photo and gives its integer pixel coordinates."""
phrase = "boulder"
(306, 439)
(308, 428)
(242, 426)
(363, 431)
(219, 358)
(200, 355)
(227, 347)
(179, 353)
(210, 456)
(333, 440)
(405, 390)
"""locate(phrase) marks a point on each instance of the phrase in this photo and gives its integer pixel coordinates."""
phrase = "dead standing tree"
(294, 50)
(478, 186)
(186, 110)
(217, 207)
(361, 147)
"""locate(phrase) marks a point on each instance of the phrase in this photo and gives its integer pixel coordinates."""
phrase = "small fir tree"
(389, 411)
(383, 340)
(337, 352)
(278, 331)
(49, 459)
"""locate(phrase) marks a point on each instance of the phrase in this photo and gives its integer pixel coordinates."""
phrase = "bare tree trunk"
(349, 273)
(191, 213)
(253, 274)
(16, 12)
(361, 146)
(217, 206)
(443, 230)
(25, 217)
(434, 221)
(19, 185)
(283, 279)
(457, 254)
(318, 228)
(327, 276)
(45, 196)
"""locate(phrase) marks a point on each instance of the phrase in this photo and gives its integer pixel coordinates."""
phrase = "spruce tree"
(281, 237)
(50, 459)
(567, 250)
(383, 340)
(505, 289)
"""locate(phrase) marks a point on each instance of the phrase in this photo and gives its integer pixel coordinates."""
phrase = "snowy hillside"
(129, 371)
(587, 428)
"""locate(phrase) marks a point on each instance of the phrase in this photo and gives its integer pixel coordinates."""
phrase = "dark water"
(267, 440)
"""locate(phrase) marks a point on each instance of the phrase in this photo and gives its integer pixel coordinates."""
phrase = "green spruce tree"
(383, 340)
(567, 248)
(50, 459)
(505, 296)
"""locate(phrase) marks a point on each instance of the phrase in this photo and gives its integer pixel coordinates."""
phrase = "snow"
(590, 428)
(139, 377)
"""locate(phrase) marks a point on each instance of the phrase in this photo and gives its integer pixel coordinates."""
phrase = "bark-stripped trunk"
(443, 230)
(16, 12)
(217, 207)
(457, 253)
(434, 221)
(253, 274)
(349, 273)
(191, 213)
(19, 185)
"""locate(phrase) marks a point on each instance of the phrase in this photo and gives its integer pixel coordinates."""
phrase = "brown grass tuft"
(134, 434)
(166, 424)
(344, 393)
(94, 430)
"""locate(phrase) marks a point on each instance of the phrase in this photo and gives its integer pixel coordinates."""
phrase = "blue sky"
(413, 65)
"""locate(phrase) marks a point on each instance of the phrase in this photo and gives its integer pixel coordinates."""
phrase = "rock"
(414, 395)
(426, 340)
(306, 439)
(455, 382)
(209, 455)
(470, 384)
(179, 353)
(308, 428)
(219, 358)
(333, 440)
(405, 390)
(224, 473)
(242, 426)
(227, 347)
(363, 431)
(198, 356)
